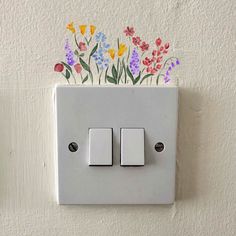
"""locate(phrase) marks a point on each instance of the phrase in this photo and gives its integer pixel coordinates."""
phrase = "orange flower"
(82, 29)
(71, 27)
(122, 49)
(92, 29)
(111, 52)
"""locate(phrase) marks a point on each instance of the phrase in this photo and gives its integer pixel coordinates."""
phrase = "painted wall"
(202, 35)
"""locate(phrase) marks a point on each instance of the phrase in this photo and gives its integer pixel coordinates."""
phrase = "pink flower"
(78, 68)
(144, 46)
(82, 46)
(58, 67)
(154, 52)
(136, 41)
(161, 48)
(159, 59)
(129, 31)
(151, 70)
(147, 61)
(165, 51)
(158, 66)
(158, 42)
(167, 45)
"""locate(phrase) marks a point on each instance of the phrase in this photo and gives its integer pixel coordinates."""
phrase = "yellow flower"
(71, 27)
(92, 29)
(82, 29)
(112, 52)
(122, 49)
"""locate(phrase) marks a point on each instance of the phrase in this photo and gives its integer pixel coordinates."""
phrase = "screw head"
(73, 146)
(159, 147)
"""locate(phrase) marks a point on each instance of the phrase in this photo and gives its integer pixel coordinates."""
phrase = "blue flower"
(100, 37)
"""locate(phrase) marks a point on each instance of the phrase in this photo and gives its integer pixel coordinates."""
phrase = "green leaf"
(84, 64)
(111, 79)
(91, 77)
(76, 52)
(94, 50)
(67, 66)
(114, 72)
(145, 77)
(67, 75)
(121, 72)
(137, 78)
(85, 79)
(130, 74)
(81, 55)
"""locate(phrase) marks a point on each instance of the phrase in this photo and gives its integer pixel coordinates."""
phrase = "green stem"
(106, 75)
(76, 42)
(73, 77)
(99, 80)
(81, 77)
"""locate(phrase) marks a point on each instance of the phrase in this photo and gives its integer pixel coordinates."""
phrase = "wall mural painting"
(134, 61)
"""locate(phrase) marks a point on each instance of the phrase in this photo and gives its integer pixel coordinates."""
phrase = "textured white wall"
(203, 33)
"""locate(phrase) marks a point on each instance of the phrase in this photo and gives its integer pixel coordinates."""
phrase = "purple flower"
(134, 62)
(172, 64)
(69, 54)
(177, 62)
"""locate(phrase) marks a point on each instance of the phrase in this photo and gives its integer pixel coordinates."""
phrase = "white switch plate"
(79, 108)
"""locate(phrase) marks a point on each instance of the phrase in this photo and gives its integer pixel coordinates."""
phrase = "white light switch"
(100, 147)
(132, 147)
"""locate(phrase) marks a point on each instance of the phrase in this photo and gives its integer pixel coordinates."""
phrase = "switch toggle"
(132, 147)
(100, 147)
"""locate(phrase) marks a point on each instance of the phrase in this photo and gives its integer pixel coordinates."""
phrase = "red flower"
(147, 61)
(159, 59)
(144, 46)
(167, 45)
(161, 48)
(129, 31)
(154, 52)
(158, 42)
(136, 41)
(82, 46)
(78, 68)
(165, 51)
(158, 66)
(151, 70)
(158, 53)
(58, 67)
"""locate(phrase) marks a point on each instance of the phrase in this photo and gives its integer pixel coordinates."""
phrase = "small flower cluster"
(153, 63)
(134, 62)
(171, 66)
(69, 54)
(123, 63)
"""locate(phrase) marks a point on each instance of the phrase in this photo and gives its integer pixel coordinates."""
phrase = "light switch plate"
(79, 108)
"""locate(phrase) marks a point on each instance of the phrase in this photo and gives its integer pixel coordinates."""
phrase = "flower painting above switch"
(132, 60)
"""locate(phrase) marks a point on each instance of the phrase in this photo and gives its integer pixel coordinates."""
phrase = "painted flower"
(122, 49)
(151, 70)
(82, 29)
(69, 54)
(129, 31)
(100, 60)
(167, 45)
(100, 37)
(105, 46)
(147, 61)
(158, 42)
(144, 46)
(168, 71)
(134, 62)
(71, 27)
(92, 29)
(82, 46)
(78, 68)
(59, 67)
(112, 52)
(158, 66)
(136, 40)
(159, 59)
